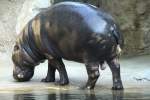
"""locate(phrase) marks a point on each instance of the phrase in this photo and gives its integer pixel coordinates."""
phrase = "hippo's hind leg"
(59, 65)
(92, 67)
(93, 74)
(115, 69)
(51, 73)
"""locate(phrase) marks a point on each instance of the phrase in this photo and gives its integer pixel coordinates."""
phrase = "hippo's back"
(76, 14)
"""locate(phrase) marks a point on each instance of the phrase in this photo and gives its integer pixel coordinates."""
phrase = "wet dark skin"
(73, 31)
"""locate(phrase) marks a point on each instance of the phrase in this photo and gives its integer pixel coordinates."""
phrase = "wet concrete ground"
(135, 76)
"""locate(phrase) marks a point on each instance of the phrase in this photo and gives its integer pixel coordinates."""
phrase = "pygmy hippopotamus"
(73, 31)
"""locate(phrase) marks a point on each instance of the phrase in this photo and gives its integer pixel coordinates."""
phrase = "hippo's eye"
(16, 47)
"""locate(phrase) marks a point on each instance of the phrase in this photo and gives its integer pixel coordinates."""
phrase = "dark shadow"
(64, 96)
(24, 97)
(51, 96)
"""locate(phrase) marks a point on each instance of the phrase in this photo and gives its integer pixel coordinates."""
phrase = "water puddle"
(75, 95)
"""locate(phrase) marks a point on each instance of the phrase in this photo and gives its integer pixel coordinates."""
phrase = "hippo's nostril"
(20, 75)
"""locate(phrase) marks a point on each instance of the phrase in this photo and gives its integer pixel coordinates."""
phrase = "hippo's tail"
(117, 35)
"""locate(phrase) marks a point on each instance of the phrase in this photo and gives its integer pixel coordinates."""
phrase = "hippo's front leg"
(50, 74)
(62, 72)
(58, 64)
(115, 69)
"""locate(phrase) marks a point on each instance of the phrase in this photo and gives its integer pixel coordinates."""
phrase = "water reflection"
(84, 95)
(118, 95)
(24, 97)
(90, 97)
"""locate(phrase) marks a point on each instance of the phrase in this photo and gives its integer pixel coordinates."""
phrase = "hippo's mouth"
(22, 74)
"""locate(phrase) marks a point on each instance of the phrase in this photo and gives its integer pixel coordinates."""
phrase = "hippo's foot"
(62, 82)
(48, 80)
(117, 86)
(87, 87)
(91, 80)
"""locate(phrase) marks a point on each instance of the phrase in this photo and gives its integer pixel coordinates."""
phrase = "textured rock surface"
(14, 14)
(133, 16)
(9, 10)
(30, 8)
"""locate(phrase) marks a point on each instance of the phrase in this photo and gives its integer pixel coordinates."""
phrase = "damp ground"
(135, 74)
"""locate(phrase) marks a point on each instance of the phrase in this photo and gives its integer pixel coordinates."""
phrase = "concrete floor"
(135, 74)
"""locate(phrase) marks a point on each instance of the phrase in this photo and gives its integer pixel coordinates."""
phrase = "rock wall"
(14, 14)
(29, 9)
(9, 10)
(133, 16)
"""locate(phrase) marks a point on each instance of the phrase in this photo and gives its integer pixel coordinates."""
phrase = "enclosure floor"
(135, 74)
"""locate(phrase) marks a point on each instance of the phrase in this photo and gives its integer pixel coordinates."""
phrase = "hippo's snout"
(22, 75)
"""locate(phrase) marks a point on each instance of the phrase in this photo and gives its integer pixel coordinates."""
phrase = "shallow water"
(76, 95)
(133, 71)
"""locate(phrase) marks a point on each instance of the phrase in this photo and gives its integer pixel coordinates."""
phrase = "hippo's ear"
(15, 52)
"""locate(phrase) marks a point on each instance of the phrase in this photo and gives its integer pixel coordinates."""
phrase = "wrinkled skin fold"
(73, 31)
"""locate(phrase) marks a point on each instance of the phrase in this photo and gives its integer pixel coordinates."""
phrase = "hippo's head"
(23, 64)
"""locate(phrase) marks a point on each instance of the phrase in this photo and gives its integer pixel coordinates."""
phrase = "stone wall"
(9, 10)
(14, 14)
(133, 16)
(29, 9)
